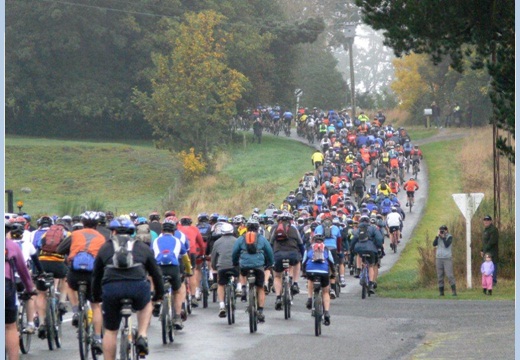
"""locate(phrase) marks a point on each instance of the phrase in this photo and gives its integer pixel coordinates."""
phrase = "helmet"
(318, 237)
(314, 225)
(77, 226)
(213, 217)
(335, 221)
(256, 210)
(101, 215)
(27, 217)
(252, 225)
(394, 209)
(17, 230)
(412, 178)
(89, 218)
(223, 218)
(169, 213)
(239, 219)
(170, 224)
(226, 229)
(285, 216)
(122, 226)
(133, 215)
(186, 221)
(301, 220)
(364, 218)
(154, 215)
(203, 217)
(110, 215)
(140, 220)
(67, 218)
(76, 219)
(44, 221)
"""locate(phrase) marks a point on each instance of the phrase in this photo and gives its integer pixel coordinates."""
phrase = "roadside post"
(297, 93)
(468, 204)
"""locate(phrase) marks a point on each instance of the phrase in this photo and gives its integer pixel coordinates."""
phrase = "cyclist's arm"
(236, 253)
(64, 247)
(37, 264)
(155, 272)
(99, 270)
(268, 253)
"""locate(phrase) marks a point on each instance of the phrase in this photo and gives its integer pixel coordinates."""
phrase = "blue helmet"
(122, 226)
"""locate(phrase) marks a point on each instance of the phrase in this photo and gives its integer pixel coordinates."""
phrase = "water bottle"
(89, 316)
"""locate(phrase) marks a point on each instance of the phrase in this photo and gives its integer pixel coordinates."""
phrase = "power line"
(109, 9)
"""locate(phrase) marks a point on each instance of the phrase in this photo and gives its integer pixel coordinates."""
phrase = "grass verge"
(403, 280)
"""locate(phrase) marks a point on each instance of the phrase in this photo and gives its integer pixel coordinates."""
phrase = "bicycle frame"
(253, 304)
(317, 306)
(286, 289)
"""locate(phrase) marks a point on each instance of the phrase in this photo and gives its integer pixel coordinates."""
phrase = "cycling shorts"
(324, 278)
(136, 290)
(393, 229)
(259, 275)
(372, 259)
(74, 277)
(57, 268)
(225, 274)
(293, 256)
(410, 194)
(317, 164)
(174, 273)
(11, 310)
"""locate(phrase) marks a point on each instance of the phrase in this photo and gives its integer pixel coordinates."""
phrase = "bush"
(193, 164)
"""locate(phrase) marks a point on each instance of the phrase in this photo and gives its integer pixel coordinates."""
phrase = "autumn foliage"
(193, 164)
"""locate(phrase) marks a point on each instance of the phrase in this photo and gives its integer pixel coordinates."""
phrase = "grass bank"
(445, 178)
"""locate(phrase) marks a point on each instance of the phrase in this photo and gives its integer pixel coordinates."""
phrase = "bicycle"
(410, 202)
(166, 312)
(415, 169)
(85, 325)
(364, 279)
(230, 298)
(53, 317)
(127, 348)
(186, 305)
(21, 323)
(286, 289)
(204, 282)
(252, 306)
(337, 285)
(317, 305)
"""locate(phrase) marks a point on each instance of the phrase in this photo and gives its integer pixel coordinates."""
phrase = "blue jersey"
(317, 267)
(167, 249)
(331, 241)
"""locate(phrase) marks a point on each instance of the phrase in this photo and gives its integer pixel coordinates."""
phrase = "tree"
(456, 29)
(194, 91)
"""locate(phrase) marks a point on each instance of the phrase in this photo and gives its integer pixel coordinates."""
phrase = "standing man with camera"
(443, 259)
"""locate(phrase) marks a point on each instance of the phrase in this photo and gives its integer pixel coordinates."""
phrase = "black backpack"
(363, 234)
(327, 223)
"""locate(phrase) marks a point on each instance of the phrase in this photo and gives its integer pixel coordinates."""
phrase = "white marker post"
(297, 93)
(468, 204)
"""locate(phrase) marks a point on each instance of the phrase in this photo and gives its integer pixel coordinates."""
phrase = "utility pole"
(350, 33)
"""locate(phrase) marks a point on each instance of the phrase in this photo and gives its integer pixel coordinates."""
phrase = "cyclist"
(367, 239)
(87, 240)
(197, 249)
(52, 262)
(287, 244)
(416, 155)
(14, 261)
(258, 259)
(111, 283)
(332, 236)
(102, 225)
(221, 260)
(410, 187)
(168, 249)
(30, 255)
(155, 222)
(316, 265)
(393, 223)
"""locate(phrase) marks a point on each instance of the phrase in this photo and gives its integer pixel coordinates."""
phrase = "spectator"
(468, 113)
(257, 130)
(490, 243)
(447, 111)
(436, 114)
(443, 261)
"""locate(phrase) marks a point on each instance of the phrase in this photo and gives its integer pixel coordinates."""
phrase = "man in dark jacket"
(490, 243)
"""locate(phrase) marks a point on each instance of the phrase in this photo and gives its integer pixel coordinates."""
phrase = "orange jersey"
(411, 185)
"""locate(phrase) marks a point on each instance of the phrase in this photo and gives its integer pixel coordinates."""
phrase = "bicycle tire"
(227, 299)
(124, 346)
(25, 338)
(252, 309)
(57, 326)
(83, 335)
(318, 313)
(205, 297)
(233, 305)
(171, 333)
(133, 349)
(165, 320)
(286, 300)
(364, 282)
(49, 324)
(188, 303)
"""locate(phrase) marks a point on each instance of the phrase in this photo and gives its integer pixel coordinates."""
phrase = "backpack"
(166, 255)
(363, 234)
(282, 231)
(143, 233)
(251, 242)
(327, 223)
(123, 257)
(53, 237)
(205, 231)
(83, 259)
(318, 253)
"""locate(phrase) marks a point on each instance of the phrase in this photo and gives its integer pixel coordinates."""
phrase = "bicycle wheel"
(229, 304)
(124, 346)
(252, 309)
(364, 283)
(188, 303)
(25, 338)
(318, 313)
(165, 320)
(133, 349)
(233, 305)
(83, 334)
(49, 324)
(57, 325)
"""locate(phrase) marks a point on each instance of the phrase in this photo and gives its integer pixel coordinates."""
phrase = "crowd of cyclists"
(320, 228)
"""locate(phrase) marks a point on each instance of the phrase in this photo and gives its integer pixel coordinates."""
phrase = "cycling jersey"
(411, 185)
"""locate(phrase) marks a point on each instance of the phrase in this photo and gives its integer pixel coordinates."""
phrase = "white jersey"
(393, 219)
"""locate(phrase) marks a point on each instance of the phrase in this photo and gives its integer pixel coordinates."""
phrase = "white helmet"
(226, 229)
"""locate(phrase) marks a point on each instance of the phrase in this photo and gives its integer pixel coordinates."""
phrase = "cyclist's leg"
(325, 293)
(260, 293)
(195, 279)
(12, 344)
(109, 344)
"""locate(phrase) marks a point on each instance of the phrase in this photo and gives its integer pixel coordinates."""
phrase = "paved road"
(374, 328)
